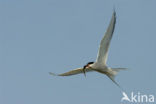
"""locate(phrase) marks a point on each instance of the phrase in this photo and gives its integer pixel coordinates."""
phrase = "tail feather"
(118, 69)
(112, 78)
(113, 72)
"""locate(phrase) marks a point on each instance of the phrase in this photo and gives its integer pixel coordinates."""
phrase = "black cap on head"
(84, 67)
(87, 64)
(90, 63)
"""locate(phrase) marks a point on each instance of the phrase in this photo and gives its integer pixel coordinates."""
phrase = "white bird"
(100, 64)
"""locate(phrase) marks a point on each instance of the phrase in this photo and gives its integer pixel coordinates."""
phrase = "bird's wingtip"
(114, 11)
(52, 74)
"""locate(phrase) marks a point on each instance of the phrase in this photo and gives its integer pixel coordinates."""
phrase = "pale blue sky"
(41, 36)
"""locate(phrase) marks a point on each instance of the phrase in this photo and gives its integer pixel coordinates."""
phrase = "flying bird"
(100, 64)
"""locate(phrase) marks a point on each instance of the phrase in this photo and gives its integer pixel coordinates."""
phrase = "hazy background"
(41, 36)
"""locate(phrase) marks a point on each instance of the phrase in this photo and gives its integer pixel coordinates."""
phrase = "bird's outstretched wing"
(105, 42)
(72, 72)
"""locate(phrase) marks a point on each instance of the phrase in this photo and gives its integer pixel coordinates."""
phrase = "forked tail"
(113, 72)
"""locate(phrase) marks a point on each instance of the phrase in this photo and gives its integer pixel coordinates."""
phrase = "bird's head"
(87, 66)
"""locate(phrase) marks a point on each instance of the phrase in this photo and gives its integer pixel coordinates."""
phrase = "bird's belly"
(99, 67)
(103, 70)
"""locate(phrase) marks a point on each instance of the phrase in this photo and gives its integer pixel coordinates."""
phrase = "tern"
(100, 64)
